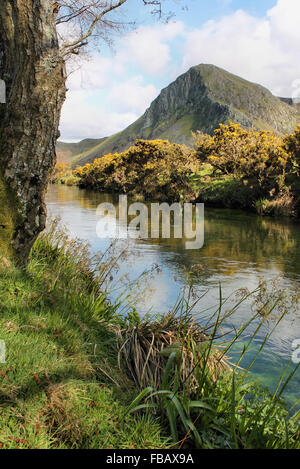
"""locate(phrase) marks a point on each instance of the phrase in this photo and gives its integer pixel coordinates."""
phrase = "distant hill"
(199, 99)
(66, 151)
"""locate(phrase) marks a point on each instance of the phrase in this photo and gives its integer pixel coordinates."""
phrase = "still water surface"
(240, 251)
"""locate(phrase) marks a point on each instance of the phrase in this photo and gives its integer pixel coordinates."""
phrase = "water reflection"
(240, 249)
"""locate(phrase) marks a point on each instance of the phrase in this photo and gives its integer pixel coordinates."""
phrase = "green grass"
(60, 386)
(222, 191)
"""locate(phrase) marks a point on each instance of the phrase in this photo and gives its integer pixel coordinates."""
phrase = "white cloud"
(264, 50)
(87, 114)
(124, 96)
(284, 20)
(108, 93)
(92, 73)
(132, 96)
(82, 120)
(296, 89)
(148, 47)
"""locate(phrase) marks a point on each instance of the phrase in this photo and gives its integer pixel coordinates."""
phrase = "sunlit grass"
(82, 372)
(60, 386)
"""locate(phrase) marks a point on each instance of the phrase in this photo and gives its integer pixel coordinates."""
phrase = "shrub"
(282, 205)
(245, 154)
(154, 168)
(292, 145)
(61, 169)
(63, 174)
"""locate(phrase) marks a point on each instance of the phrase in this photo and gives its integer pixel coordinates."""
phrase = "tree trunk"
(35, 91)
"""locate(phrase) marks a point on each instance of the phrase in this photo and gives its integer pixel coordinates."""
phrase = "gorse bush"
(63, 174)
(245, 154)
(232, 168)
(61, 170)
(265, 168)
(292, 145)
(154, 168)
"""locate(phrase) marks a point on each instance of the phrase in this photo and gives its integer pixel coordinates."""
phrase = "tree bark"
(35, 91)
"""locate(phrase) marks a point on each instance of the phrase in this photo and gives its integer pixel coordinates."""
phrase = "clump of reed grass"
(144, 349)
(187, 380)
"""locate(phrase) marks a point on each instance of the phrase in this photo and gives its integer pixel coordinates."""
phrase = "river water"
(240, 251)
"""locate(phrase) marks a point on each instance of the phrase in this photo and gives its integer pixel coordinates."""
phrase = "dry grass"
(61, 417)
(281, 205)
(144, 350)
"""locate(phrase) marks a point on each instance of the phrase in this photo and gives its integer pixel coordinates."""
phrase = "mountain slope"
(200, 99)
(66, 151)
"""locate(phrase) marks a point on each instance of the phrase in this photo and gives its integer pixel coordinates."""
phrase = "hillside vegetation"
(67, 151)
(199, 99)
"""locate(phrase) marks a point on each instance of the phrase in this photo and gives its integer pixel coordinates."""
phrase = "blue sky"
(195, 12)
(256, 39)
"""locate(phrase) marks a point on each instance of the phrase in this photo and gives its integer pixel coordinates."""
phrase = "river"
(240, 251)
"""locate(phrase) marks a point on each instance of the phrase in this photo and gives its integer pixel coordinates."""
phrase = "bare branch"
(156, 3)
(71, 16)
(80, 21)
(74, 46)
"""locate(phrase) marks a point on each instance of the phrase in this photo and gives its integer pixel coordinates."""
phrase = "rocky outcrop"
(213, 95)
(201, 99)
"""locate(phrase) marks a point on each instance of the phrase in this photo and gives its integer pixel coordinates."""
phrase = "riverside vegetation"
(234, 168)
(82, 372)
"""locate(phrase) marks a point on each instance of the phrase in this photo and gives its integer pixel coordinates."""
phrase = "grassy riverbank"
(56, 389)
(62, 387)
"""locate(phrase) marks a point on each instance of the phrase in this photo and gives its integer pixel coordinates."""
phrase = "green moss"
(7, 219)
